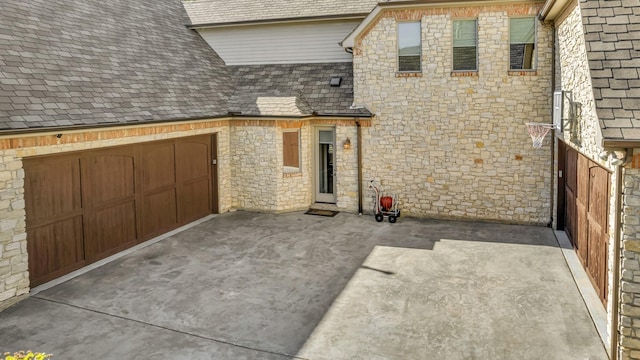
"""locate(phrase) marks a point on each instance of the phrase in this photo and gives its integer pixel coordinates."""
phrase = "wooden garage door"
(586, 214)
(83, 207)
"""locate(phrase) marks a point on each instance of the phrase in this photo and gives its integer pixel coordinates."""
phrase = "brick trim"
(49, 138)
(459, 12)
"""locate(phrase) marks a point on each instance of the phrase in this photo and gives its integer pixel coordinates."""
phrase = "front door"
(325, 163)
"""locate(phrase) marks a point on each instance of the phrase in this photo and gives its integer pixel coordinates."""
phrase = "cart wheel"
(379, 217)
(392, 219)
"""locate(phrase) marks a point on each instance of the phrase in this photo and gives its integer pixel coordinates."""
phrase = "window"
(291, 150)
(465, 48)
(522, 38)
(409, 48)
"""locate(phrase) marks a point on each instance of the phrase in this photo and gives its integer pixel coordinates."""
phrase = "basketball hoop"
(538, 131)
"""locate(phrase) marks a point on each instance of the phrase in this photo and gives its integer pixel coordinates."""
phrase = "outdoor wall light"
(346, 144)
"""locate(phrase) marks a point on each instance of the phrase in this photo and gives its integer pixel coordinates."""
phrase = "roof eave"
(304, 116)
(74, 128)
(553, 8)
(278, 21)
(620, 143)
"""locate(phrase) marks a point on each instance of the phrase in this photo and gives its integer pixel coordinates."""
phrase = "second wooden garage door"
(83, 207)
(586, 214)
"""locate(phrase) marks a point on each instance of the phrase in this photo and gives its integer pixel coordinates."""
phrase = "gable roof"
(293, 90)
(67, 62)
(205, 12)
(612, 36)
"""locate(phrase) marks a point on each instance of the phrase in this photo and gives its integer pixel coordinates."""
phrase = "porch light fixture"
(335, 81)
(346, 144)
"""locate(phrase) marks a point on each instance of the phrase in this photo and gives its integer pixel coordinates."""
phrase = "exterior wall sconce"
(346, 144)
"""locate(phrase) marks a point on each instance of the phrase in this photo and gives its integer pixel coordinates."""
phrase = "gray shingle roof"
(69, 62)
(226, 11)
(293, 89)
(612, 34)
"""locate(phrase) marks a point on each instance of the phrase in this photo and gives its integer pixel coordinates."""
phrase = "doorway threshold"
(324, 206)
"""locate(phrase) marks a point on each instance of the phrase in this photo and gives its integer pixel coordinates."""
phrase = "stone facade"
(254, 167)
(14, 277)
(451, 144)
(581, 128)
(629, 326)
(260, 181)
(347, 170)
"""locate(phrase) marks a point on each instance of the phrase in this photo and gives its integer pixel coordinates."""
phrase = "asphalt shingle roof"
(227, 11)
(612, 35)
(293, 90)
(70, 62)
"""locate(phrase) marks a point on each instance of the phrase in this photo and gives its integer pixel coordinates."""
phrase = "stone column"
(629, 326)
(14, 275)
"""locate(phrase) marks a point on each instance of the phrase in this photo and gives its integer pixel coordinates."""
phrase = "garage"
(82, 207)
(584, 212)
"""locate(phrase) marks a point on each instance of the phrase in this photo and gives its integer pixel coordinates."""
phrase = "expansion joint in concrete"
(168, 328)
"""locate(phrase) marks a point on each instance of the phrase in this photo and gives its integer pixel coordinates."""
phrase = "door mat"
(321, 212)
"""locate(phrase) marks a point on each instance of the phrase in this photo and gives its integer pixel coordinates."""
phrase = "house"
(169, 112)
(597, 159)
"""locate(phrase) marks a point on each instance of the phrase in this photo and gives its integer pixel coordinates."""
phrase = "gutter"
(609, 143)
(546, 9)
(59, 129)
(359, 140)
(229, 116)
(553, 133)
(450, 2)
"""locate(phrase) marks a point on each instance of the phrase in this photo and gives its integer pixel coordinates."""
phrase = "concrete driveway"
(294, 286)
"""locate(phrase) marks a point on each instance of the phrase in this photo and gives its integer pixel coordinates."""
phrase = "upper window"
(465, 48)
(522, 43)
(409, 47)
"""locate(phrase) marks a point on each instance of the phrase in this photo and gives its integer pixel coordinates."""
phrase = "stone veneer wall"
(14, 276)
(629, 326)
(255, 171)
(455, 145)
(581, 126)
(347, 170)
(259, 179)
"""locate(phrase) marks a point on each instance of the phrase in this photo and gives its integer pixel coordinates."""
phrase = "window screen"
(465, 49)
(522, 37)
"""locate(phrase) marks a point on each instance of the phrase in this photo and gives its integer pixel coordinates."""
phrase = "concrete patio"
(293, 286)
